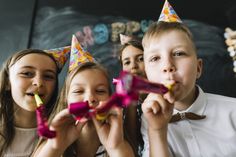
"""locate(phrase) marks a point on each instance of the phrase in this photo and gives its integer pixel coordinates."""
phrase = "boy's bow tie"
(186, 115)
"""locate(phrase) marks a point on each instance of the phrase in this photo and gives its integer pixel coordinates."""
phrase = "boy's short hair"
(157, 28)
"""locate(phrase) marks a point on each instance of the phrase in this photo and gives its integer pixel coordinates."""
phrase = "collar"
(198, 105)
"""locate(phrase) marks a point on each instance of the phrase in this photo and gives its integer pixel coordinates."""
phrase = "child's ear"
(199, 67)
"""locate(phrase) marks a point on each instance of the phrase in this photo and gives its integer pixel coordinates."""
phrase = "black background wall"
(216, 12)
(15, 25)
(16, 16)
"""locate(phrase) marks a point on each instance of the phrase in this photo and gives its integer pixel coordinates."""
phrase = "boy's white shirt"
(23, 144)
(213, 136)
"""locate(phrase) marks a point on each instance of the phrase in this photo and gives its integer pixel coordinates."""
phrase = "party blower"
(43, 129)
(81, 110)
(128, 87)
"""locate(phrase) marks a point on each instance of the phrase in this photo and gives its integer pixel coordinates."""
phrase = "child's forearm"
(87, 147)
(46, 150)
(158, 143)
(123, 149)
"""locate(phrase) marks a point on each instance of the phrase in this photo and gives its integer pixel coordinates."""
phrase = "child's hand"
(110, 131)
(66, 130)
(158, 109)
(66, 133)
(88, 142)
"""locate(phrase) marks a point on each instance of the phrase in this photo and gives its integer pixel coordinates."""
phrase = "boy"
(202, 124)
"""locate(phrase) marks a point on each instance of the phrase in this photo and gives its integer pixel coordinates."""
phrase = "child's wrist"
(58, 151)
(123, 149)
(47, 149)
(162, 131)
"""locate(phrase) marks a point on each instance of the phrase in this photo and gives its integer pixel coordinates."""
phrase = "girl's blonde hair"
(7, 131)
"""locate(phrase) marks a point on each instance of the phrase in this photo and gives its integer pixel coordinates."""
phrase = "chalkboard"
(15, 26)
(54, 28)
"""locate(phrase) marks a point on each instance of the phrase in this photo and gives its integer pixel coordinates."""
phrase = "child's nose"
(92, 100)
(37, 81)
(169, 67)
(134, 65)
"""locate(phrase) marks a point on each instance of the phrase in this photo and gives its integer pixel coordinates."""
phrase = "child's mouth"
(32, 94)
(137, 73)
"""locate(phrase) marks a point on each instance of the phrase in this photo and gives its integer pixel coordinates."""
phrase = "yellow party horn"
(101, 116)
(38, 100)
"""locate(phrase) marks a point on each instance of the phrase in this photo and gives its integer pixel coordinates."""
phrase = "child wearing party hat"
(24, 73)
(185, 121)
(131, 55)
(87, 81)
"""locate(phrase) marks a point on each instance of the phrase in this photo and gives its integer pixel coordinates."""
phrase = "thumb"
(80, 125)
(97, 123)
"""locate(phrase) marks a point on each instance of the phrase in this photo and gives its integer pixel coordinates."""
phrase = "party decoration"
(132, 27)
(230, 41)
(100, 33)
(116, 29)
(81, 110)
(86, 37)
(124, 39)
(42, 127)
(78, 54)
(168, 14)
(61, 55)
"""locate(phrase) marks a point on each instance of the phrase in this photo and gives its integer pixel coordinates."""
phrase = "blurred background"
(47, 24)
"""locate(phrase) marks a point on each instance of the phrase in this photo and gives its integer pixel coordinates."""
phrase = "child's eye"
(78, 91)
(27, 74)
(101, 91)
(179, 53)
(140, 59)
(154, 59)
(126, 63)
(49, 77)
